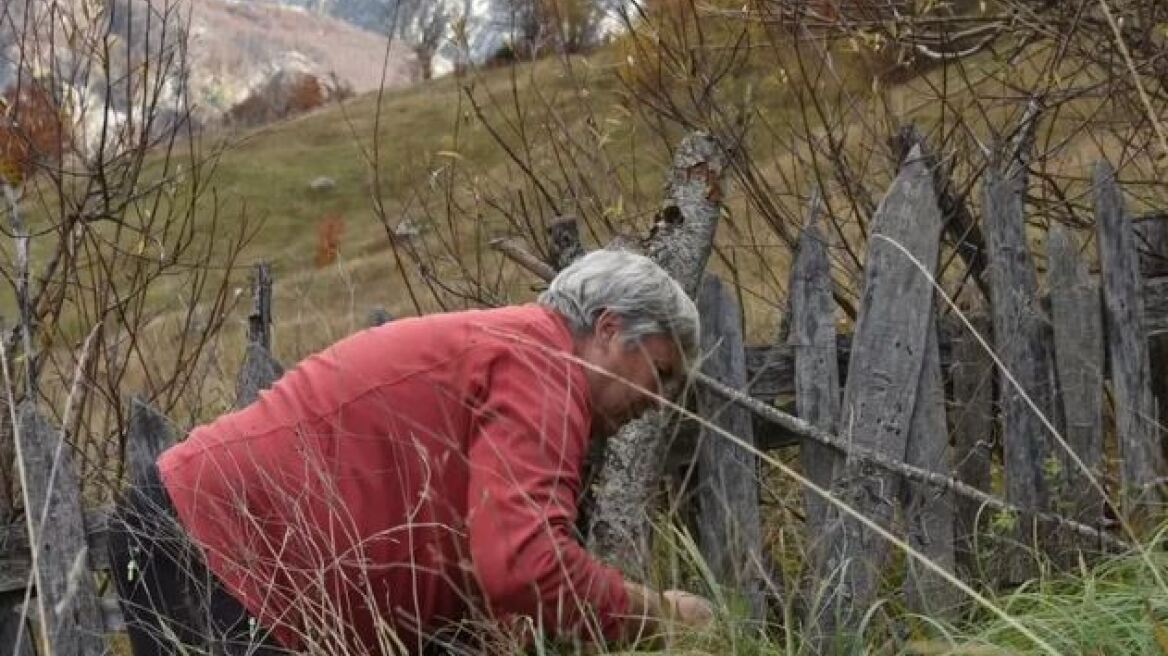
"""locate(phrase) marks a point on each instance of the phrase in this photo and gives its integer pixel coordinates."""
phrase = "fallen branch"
(513, 248)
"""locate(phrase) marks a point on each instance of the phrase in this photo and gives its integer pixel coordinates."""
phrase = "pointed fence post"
(259, 369)
(888, 351)
(929, 511)
(1152, 240)
(1142, 459)
(1078, 342)
(12, 619)
(972, 373)
(729, 523)
(259, 320)
(812, 338)
(1022, 342)
(564, 242)
(67, 603)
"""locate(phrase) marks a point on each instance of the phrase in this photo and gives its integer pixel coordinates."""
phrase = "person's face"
(652, 364)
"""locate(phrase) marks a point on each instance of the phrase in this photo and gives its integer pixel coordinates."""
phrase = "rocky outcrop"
(195, 62)
(260, 53)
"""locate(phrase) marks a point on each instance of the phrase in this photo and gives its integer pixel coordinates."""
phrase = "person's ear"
(608, 325)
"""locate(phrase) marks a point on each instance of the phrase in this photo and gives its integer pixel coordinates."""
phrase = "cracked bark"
(680, 241)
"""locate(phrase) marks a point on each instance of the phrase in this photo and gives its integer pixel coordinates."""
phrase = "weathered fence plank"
(564, 242)
(67, 603)
(1152, 244)
(961, 228)
(928, 512)
(1152, 240)
(258, 372)
(259, 369)
(15, 557)
(1021, 342)
(378, 316)
(883, 375)
(8, 477)
(147, 436)
(972, 417)
(1078, 349)
(1140, 452)
(259, 320)
(13, 622)
(812, 338)
(1155, 312)
(681, 241)
(729, 522)
(11, 631)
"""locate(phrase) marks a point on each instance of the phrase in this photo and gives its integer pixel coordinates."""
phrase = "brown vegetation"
(328, 239)
(34, 131)
(283, 95)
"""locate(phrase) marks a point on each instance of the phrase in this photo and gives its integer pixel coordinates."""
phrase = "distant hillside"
(485, 20)
(236, 47)
(488, 21)
(234, 50)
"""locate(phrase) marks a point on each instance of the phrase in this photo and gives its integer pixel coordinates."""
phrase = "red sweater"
(410, 475)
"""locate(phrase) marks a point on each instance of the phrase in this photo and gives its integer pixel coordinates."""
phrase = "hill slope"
(234, 47)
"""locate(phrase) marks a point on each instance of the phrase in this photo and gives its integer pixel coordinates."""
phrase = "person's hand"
(687, 608)
(654, 615)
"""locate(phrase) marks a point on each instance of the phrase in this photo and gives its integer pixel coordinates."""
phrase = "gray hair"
(646, 298)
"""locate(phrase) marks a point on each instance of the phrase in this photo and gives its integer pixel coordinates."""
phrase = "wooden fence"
(898, 418)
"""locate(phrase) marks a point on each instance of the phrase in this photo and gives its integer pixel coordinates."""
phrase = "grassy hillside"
(425, 155)
(381, 152)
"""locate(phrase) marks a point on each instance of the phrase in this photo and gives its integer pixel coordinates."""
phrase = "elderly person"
(410, 480)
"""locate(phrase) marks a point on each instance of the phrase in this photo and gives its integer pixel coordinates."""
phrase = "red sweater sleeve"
(525, 460)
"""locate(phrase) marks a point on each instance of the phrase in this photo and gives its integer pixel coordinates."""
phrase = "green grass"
(1115, 607)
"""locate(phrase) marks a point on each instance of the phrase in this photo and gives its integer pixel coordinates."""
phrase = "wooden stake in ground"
(1135, 412)
(812, 337)
(68, 608)
(928, 511)
(729, 523)
(259, 368)
(879, 397)
(972, 420)
(1022, 342)
(1078, 340)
